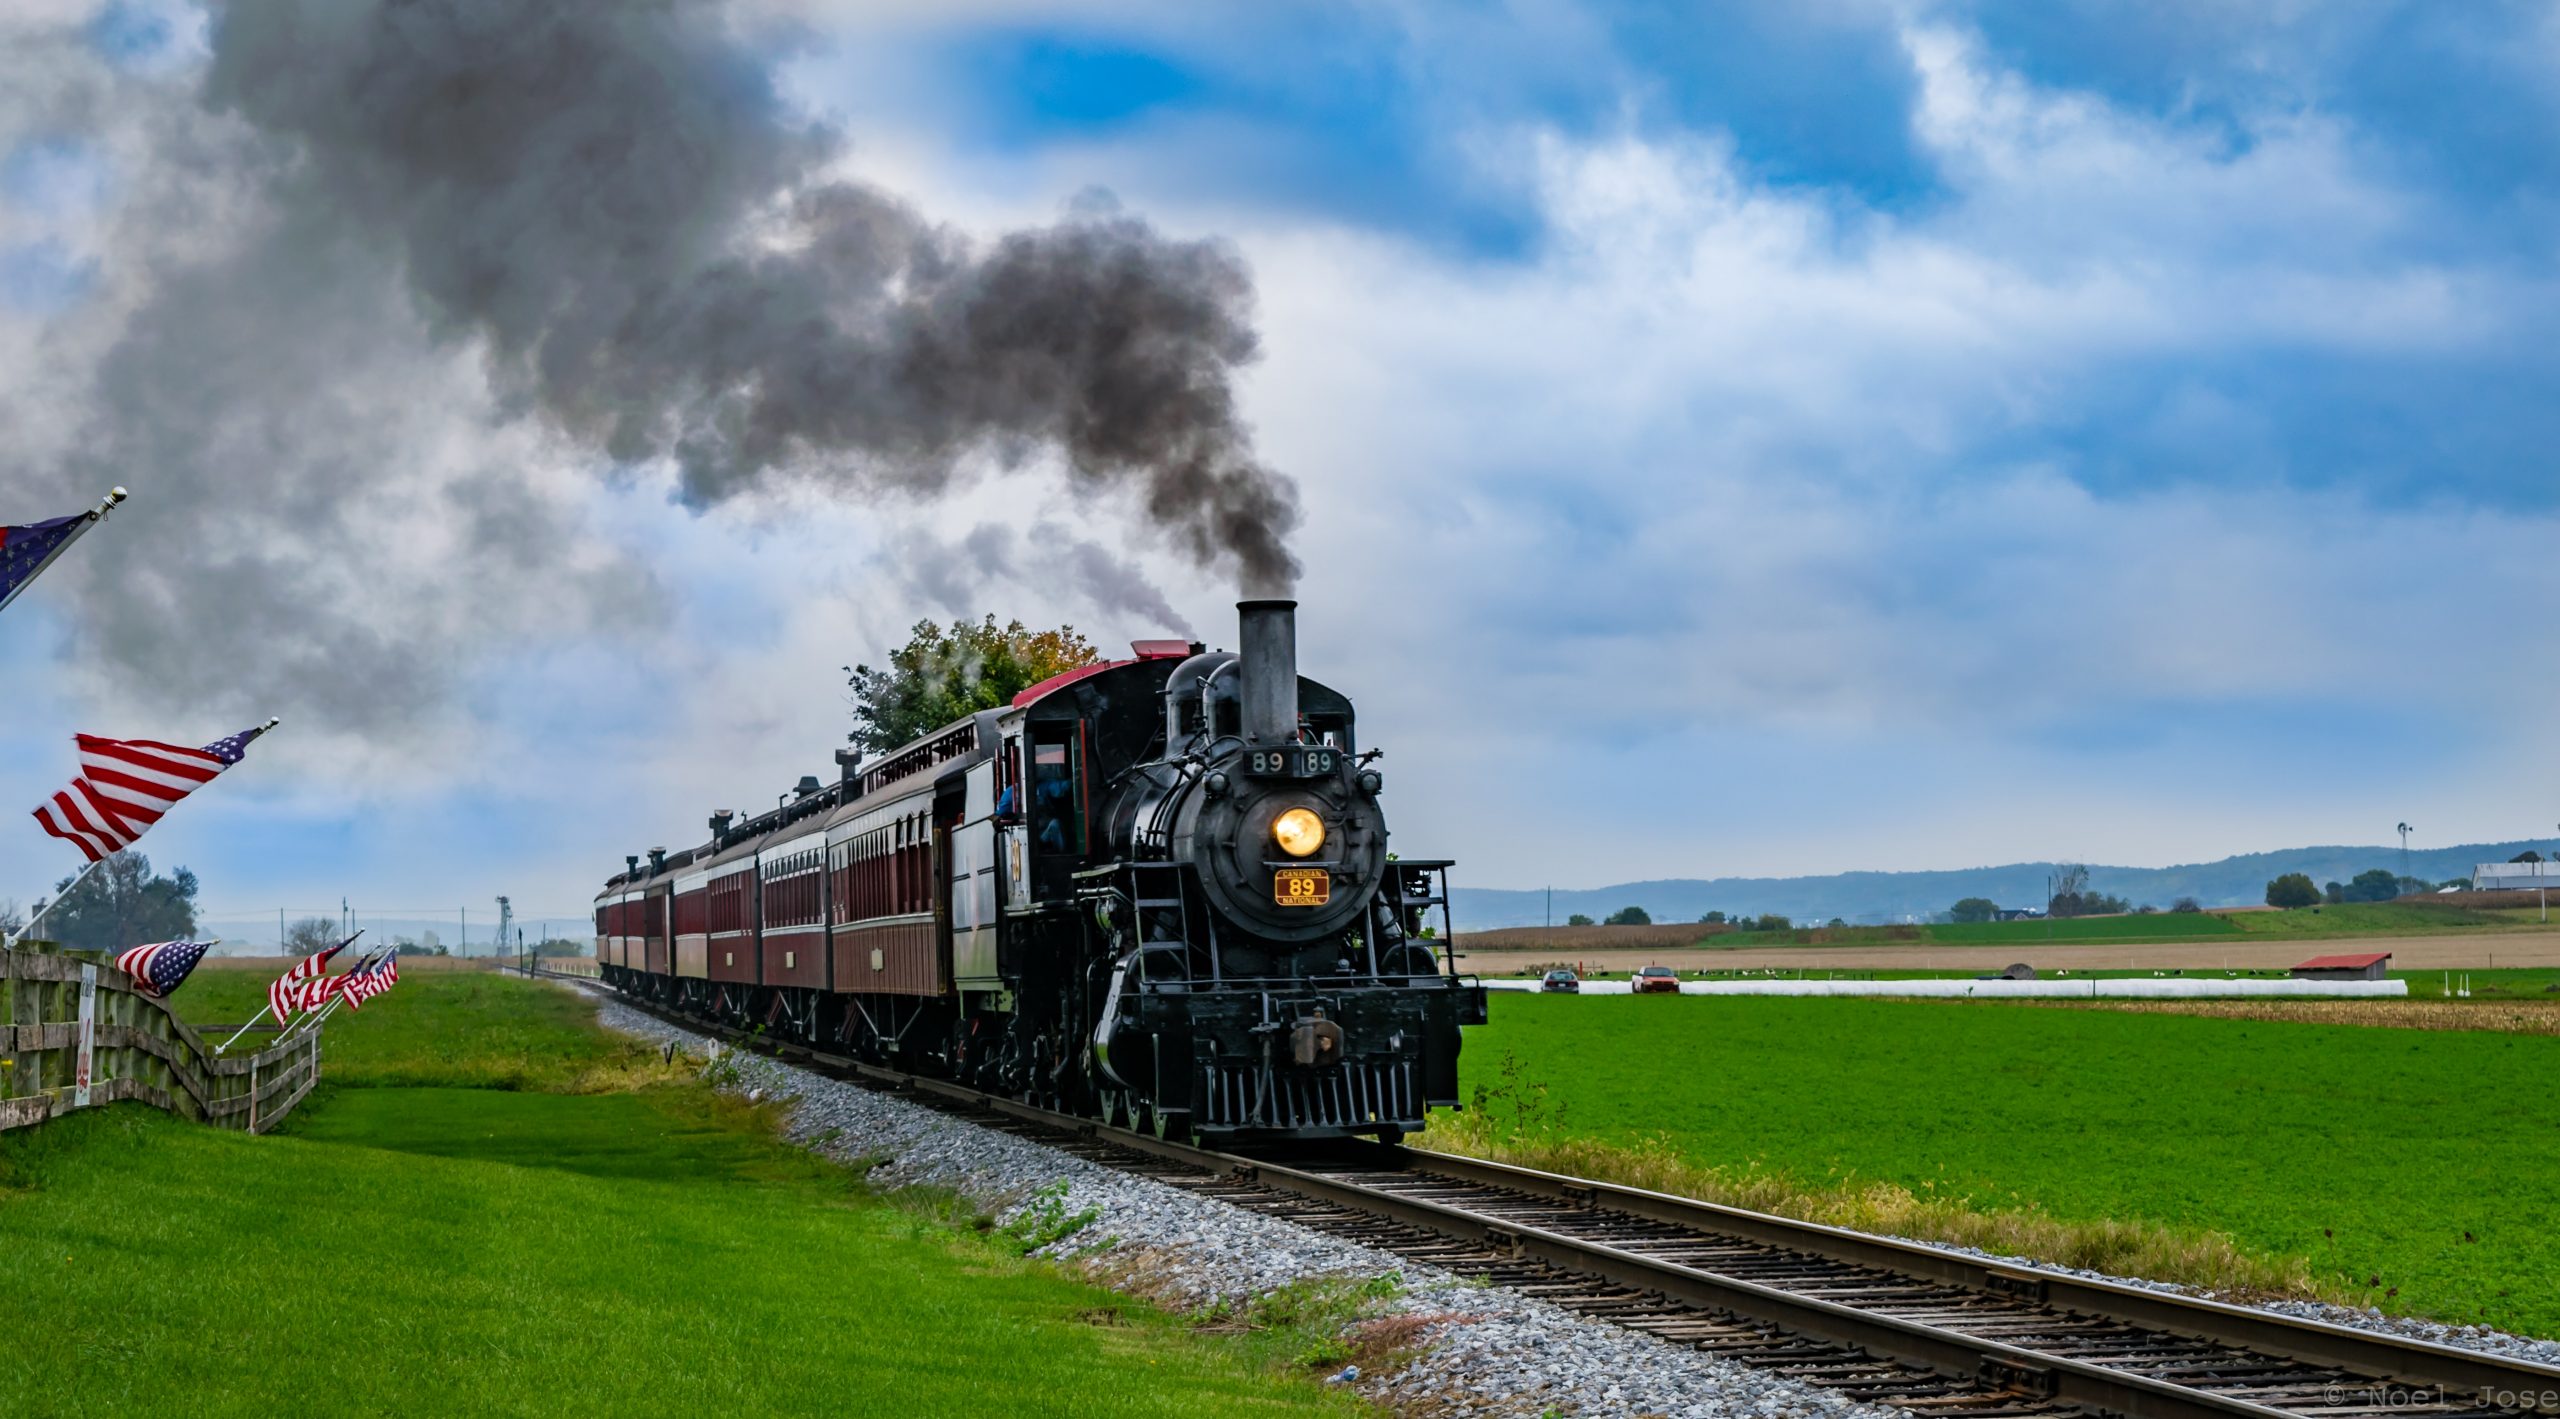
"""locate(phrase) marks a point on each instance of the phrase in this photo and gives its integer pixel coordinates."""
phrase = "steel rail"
(2374, 1364)
(2399, 1359)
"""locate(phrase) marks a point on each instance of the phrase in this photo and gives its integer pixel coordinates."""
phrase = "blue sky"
(1781, 439)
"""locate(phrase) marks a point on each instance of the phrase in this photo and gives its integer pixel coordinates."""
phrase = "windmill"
(2404, 849)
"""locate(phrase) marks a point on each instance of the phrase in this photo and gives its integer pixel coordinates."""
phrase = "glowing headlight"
(1299, 832)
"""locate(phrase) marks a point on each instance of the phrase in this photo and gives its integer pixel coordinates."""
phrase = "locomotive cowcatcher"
(1155, 891)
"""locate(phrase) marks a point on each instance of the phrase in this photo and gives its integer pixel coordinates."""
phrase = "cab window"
(1057, 793)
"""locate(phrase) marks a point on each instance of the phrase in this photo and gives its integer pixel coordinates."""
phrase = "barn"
(2362, 966)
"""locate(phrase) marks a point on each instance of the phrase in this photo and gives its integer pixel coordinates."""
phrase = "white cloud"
(1674, 548)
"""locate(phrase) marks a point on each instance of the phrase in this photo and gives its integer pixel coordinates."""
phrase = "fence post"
(88, 1035)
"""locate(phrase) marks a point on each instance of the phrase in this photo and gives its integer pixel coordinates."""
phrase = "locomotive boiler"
(1156, 891)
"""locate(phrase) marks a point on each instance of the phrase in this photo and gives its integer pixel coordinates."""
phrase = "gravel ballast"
(1485, 1350)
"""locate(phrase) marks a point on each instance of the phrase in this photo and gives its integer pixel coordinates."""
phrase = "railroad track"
(1878, 1319)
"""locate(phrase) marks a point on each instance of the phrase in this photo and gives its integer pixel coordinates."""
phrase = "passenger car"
(1561, 979)
(1655, 980)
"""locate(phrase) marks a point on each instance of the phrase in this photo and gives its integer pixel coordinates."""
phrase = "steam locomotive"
(1155, 891)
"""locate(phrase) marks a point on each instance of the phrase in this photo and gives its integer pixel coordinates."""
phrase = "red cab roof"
(1146, 650)
(2343, 963)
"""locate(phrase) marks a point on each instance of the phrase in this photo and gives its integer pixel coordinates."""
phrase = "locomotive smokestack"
(1268, 670)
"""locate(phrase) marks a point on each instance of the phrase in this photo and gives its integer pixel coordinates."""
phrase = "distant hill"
(1870, 897)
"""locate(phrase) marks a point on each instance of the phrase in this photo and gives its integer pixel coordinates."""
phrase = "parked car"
(1655, 980)
(1561, 979)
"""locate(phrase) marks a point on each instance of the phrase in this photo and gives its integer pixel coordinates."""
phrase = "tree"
(1712, 919)
(2190, 904)
(2068, 885)
(1577, 919)
(2336, 892)
(12, 917)
(1974, 909)
(1629, 916)
(2293, 890)
(2374, 884)
(941, 675)
(312, 933)
(1771, 921)
(122, 904)
(2073, 897)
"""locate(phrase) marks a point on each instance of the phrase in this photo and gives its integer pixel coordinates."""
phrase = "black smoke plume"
(609, 194)
(373, 270)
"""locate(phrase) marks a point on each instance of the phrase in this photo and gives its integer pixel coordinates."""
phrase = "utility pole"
(506, 919)
(1551, 907)
(2404, 849)
(464, 947)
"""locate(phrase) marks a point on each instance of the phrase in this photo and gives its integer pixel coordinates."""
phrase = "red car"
(1655, 980)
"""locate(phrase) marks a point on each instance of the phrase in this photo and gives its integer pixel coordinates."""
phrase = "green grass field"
(473, 1029)
(2367, 1153)
(2372, 919)
(438, 1233)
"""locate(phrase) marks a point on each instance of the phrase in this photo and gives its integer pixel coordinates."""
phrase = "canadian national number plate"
(1301, 886)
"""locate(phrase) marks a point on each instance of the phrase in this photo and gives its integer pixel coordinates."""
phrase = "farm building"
(2514, 876)
(2362, 966)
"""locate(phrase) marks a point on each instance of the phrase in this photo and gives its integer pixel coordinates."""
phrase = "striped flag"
(125, 785)
(162, 966)
(367, 980)
(301, 988)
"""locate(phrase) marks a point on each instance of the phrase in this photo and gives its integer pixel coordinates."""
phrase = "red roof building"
(2368, 965)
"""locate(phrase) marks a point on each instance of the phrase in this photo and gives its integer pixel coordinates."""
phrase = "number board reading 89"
(1295, 761)
(1301, 886)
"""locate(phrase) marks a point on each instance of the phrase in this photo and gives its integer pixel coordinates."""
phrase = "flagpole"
(96, 515)
(47, 909)
(253, 1024)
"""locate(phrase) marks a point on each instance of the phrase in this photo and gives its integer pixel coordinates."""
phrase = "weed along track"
(1873, 1318)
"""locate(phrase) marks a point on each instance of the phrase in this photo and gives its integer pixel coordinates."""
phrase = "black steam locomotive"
(1155, 891)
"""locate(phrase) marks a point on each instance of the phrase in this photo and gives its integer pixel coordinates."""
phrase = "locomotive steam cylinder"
(1268, 656)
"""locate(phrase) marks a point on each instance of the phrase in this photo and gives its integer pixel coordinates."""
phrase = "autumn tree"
(942, 674)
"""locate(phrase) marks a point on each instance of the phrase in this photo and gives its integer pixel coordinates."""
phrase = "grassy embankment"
(493, 1207)
(2402, 1168)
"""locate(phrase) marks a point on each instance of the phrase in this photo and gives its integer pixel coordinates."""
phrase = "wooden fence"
(75, 1033)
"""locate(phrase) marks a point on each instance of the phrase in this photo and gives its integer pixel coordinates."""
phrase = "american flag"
(24, 551)
(162, 966)
(303, 987)
(368, 980)
(126, 784)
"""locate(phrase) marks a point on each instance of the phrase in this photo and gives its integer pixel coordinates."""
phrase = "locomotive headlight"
(1299, 832)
